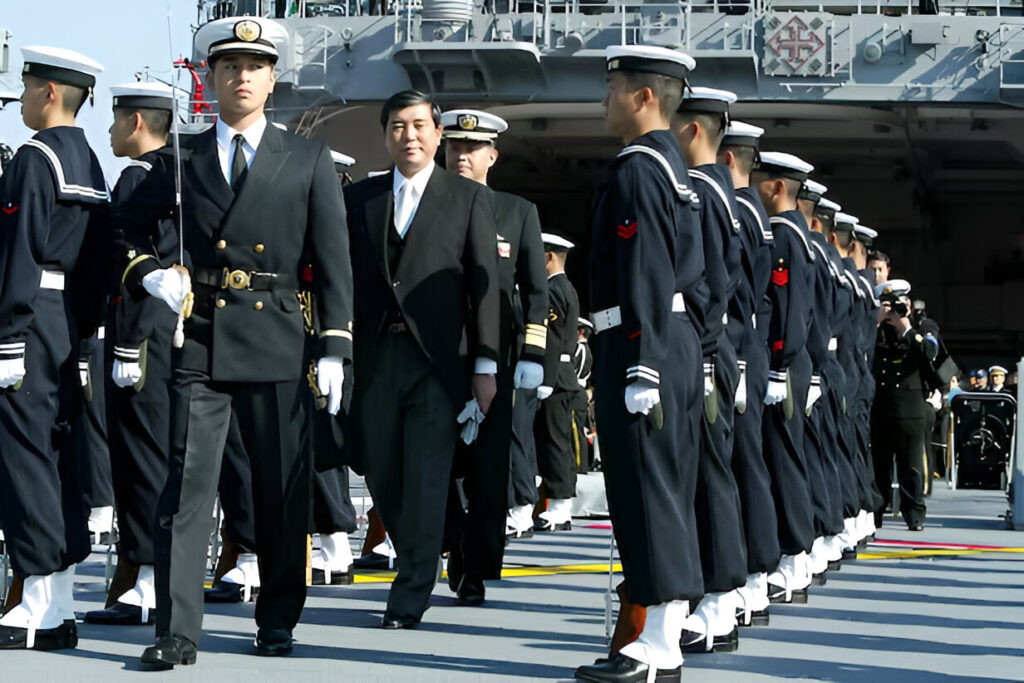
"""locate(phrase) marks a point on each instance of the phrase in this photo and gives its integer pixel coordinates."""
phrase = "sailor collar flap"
(777, 220)
(675, 176)
(76, 171)
(697, 174)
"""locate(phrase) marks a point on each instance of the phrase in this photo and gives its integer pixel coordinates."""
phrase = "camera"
(898, 306)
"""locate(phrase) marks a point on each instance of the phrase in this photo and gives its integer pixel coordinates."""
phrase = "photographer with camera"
(903, 357)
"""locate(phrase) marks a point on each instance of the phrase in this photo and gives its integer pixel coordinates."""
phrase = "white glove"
(640, 399)
(740, 399)
(814, 393)
(528, 374)
(126, 374)
(12, 371)
(544, 392)
(83, 372)
(170, 285)
(470, 417)
(330, 376)
(777, 391)
(709, 378)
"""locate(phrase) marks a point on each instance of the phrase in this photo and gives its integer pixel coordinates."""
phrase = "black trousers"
(651, 474)
(723, 552)
(783, 452)
(845, 456)
(752, 479)
(477, 532)
(44, 514)
(407, 432)
(522, 484)
(139, 424)
(270, 418)
(552, 432)
(897, 433)
(333, 511)
(90, 428)
(235, 490)
(818, 474)
(580, 417)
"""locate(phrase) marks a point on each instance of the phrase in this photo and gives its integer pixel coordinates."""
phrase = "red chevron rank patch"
(9, 208)
(780, 276)
(777, 346)
(627, 229)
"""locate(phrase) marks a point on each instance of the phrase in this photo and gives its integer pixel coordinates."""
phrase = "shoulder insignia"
(627, 229)
(9, 208)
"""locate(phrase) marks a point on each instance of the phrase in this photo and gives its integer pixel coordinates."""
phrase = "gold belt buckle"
(236, 279)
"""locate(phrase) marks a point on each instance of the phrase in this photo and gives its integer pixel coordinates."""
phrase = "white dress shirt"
(407, 194)
(226, 143)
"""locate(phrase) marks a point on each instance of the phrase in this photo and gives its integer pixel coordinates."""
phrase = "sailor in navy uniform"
(476, 532)
(897, 414)
(751, 309)
(855, 353)
(647, 297)
(583, 366)
(256, 202)
(53, 204)
(552, 427)
(699, 125)
(839, 371)
(819, 442)
(139, 348)
(778, 178)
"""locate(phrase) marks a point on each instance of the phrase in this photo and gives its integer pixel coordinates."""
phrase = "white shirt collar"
(253, 134)
(419, 181)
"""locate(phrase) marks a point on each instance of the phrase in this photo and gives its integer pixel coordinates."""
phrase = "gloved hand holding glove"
(640, 399)
(777, 391)
(330, 377)
(814, 393)
(470, 419)
(528, 374)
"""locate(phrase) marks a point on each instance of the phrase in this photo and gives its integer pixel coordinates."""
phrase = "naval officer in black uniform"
(427, 293)
(476, 533)
(647, 296)
(778, 178)
(138, 336)
(739, 152)
(53, 201)
(256, 200)
(902, 354)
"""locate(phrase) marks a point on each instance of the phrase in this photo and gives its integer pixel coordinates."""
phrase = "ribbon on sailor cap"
(710, 100)
(826, 205)
(143, 96)
(811, 191)
(845, 222)
(864, 234)
(740, 134)
(649, 59)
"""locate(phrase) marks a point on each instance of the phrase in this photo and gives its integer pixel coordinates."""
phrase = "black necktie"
(238, 165)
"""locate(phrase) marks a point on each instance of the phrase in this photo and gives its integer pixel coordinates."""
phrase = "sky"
(125, 36)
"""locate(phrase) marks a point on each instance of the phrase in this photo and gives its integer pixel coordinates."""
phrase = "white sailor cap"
(845, 222)
(996, 369)
(555, 243)
(471, 124)
(147, 95)
(342, 159)
(811, 191)
(584, 322)
(60, 65)
(8, 96)
(707, 100)
(892, 287)
(828, 206)
(739, 134)
(649, 59)
(240, 35)
(782, 165)
(864, 234)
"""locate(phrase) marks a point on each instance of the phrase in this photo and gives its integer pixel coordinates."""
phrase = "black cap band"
(646, 65)
(59, 75)
(142, 102)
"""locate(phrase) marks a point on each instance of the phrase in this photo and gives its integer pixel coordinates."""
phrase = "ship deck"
(945, 604)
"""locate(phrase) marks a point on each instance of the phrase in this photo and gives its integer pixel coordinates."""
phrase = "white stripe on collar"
(701, 175)
(58, 171)
(777, 220)
(681, 189)
(766, 234)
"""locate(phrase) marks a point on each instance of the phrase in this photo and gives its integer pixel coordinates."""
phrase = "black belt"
(250, 280)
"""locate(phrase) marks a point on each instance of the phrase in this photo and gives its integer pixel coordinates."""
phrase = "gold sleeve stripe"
(134, 262)
(536, 335)
(337, 333)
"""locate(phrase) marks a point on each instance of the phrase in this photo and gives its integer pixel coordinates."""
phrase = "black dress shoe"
(374, 561)
(471, 592)
(169, 651)
(225, 591)
(623, 669)
(849, 553)
(393, 622)
(513, 535)
(835, 565)
(916, 526)
(757, 617)
(119, 614)
(818, 579)
(273, 642)
(692, 642)
(56, 638)
(777, 594)
(337, 578)
(547, 525)
(456, 571)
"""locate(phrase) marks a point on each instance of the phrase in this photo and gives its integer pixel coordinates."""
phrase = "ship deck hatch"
(470, 69)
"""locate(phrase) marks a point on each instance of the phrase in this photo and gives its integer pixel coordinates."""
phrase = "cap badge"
(467, 122)
(613, 64)
(247, 30)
